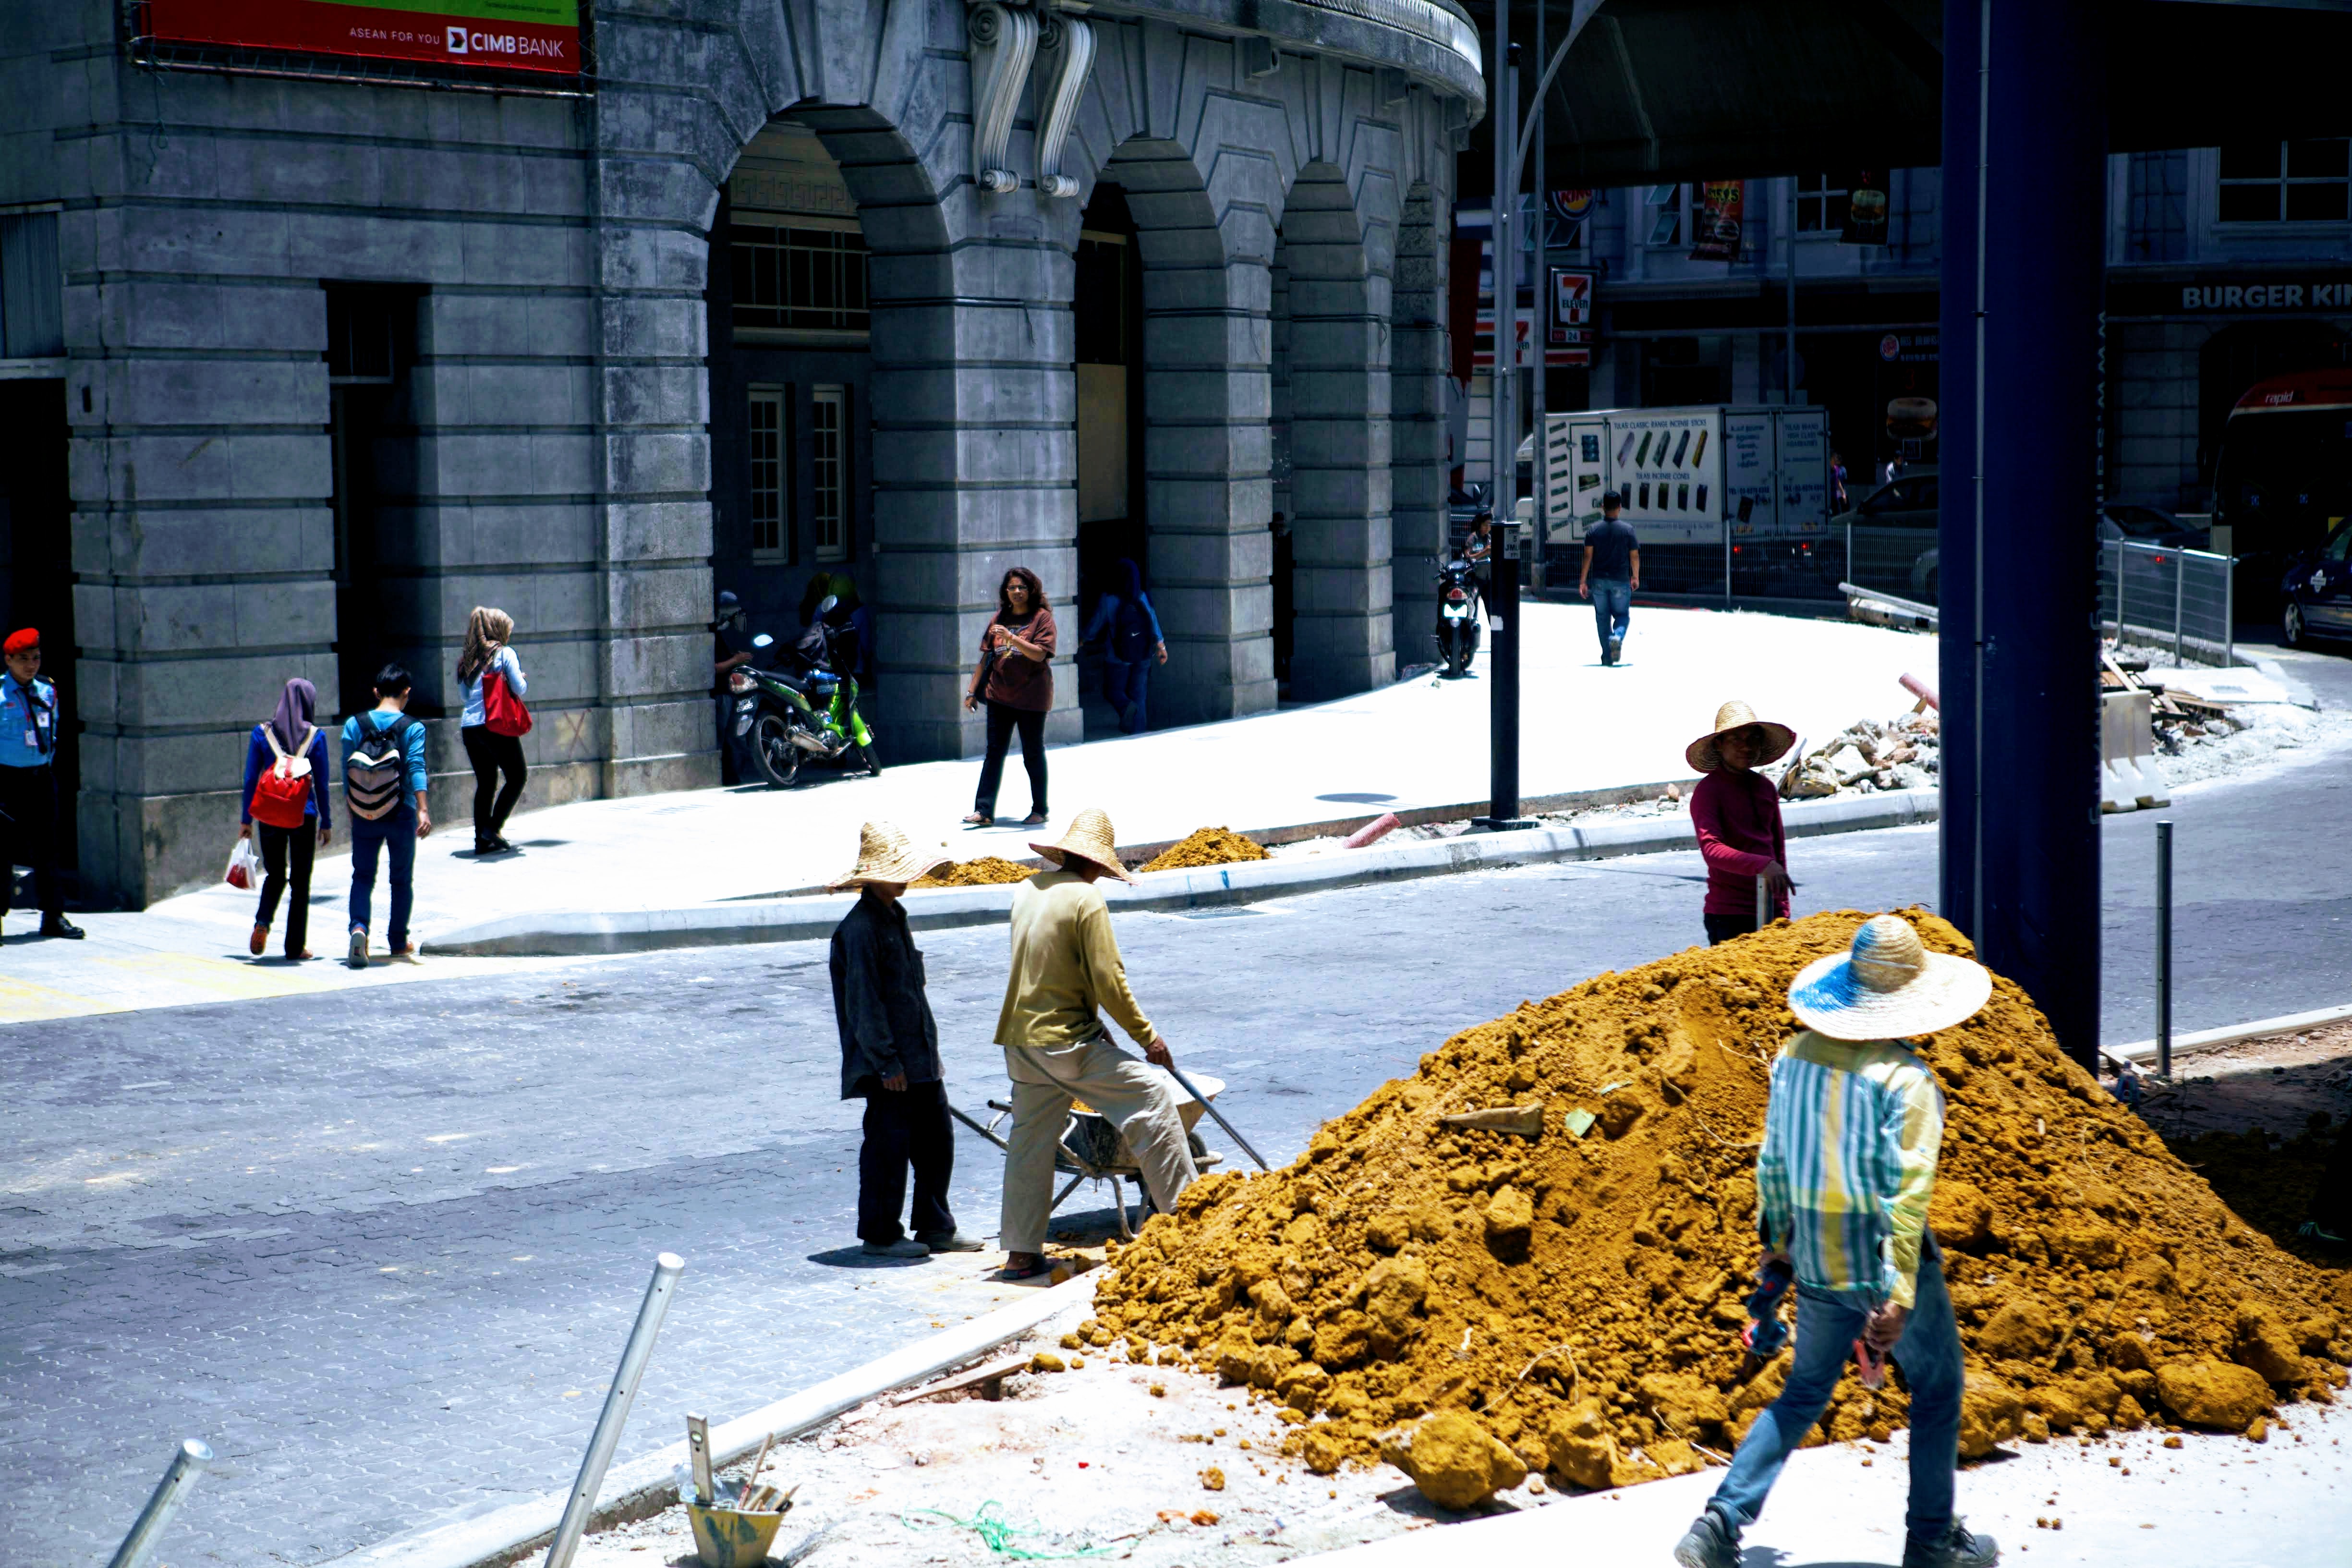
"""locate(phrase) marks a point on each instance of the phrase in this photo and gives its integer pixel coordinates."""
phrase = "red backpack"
(281, 796)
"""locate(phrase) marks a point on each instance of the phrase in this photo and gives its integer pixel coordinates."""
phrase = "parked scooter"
(798, 706)
(1457, 619)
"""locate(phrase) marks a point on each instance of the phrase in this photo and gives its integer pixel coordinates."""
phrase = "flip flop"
(1027, 1271)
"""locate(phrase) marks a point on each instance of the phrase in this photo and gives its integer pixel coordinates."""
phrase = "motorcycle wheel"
(873, 763)
(772, 747)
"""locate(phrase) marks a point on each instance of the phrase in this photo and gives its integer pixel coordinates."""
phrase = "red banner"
(309, 26)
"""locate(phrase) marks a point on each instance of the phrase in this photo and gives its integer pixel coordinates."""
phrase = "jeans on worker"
(1003, 720)
(1123, 687)
(1612, 608)
(1139, 1098)
(906, 1129)
(1929, 1354)
(491, 754)
(285, 855)
(396, 835)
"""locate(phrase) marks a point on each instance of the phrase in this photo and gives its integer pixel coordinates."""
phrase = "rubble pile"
(1575, 1295)
(986, 871)
(1206, 847)
(1899, 754)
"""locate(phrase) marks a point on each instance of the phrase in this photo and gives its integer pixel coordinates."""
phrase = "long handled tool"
(1210, 1107)
(976, 1127)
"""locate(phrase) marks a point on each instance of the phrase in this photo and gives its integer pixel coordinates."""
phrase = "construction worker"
(890, 1053)
(1066, 972)
(1842, 1180)
(28, 783)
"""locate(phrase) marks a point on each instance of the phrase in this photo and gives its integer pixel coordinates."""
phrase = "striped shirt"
(1848, 1163)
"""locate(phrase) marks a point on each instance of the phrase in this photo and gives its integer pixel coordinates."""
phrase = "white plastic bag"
(243, 867)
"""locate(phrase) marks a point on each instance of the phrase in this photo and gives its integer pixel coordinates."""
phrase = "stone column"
(1340, 474)
(1417, 390)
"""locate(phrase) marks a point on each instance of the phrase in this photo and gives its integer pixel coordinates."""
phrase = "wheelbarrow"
(1091, 1149)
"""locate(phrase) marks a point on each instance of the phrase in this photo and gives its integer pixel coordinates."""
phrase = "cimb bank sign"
(506, 46)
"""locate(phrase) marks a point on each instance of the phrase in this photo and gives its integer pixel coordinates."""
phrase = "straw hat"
(885, 853)
(1090, 838)
(1733, 715)
(1887, 987)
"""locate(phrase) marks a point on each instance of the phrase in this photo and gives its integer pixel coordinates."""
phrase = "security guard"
(28, 783)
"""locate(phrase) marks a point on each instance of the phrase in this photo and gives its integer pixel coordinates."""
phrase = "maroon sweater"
(1738, 817)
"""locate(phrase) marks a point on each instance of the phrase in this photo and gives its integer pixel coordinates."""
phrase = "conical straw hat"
(1733, 715)
(1090, 838)
(885, 853)
(1887, 987)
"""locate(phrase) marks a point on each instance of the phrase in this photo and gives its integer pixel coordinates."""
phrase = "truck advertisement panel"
(1667, 464)
(512, 35)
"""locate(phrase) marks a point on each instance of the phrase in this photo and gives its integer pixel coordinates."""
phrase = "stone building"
(315, 360)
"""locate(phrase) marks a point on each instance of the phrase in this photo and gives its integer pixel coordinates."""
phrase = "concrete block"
(657, 394)
(232, 691)
(162, 314)
(660, 531)
(652, 464)
(653, 327)
(655, 598)
(196, 466)
(157, 541)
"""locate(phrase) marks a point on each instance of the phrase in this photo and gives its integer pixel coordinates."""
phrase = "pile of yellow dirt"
(1205, 847)
(986, 871)
(1579, 1296)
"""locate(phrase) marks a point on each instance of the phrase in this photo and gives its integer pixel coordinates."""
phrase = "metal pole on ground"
(2179, 575)
(2164, 949)
(615, 1415)
(193, 1460)
(1763, 902)
(1503, 572)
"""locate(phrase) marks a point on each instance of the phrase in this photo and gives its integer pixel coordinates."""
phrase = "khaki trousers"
(1139, 1100)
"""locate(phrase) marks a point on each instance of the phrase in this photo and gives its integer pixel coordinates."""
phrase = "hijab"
(296, 704)
(1130, 582)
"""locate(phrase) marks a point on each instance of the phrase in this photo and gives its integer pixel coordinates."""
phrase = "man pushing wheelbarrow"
(1066, 972)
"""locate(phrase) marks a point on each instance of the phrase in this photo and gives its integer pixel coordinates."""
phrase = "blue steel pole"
(1956, 535)
(2042, 232)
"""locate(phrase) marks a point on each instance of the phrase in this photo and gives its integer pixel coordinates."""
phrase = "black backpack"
(375, 774)
(1130, 631)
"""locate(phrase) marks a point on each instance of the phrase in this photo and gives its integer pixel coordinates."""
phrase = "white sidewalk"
(1418, 743)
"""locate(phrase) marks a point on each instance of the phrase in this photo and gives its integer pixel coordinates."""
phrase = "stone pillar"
(1339, 444)
(1417, 392)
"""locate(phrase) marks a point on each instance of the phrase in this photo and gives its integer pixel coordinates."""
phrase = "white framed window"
(1666, 229)
(2287, 182)
(829, 471)
(1820, 206)
(765, 444)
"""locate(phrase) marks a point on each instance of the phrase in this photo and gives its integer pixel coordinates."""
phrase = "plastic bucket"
(727, 1537)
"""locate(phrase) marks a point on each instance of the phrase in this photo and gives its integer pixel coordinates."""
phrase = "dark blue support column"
(2019, 499)
(1956, 458)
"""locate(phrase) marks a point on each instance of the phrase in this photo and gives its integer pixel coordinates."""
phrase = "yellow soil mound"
(986, 871)
(1580, 1297)
(1206, 847)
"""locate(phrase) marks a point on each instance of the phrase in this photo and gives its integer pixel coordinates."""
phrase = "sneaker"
(58, 925)
(357, 958)
(1956, 1548)
(947, 1241)
(1711, 1543)
(905, 1247)
(1616, 650)
(2311, 1230)
(406, 954)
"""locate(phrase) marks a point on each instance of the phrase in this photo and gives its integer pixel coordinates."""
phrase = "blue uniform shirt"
(29, 722)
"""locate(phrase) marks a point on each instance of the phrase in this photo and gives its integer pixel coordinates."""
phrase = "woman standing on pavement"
(1125, 612)
(488, 653)
(1015, 678)
(286, 852)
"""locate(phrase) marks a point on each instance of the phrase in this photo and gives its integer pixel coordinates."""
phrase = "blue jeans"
(1827, 1326)
(1613, 607)
(396, 834)
(1123, 687)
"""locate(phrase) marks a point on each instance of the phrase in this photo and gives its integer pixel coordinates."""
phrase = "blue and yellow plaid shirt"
(1848, 1163)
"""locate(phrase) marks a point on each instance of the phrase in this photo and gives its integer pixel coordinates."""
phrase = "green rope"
(996, 1533)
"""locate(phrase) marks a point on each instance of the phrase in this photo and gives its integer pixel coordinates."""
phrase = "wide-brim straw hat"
(1887, 987)
(885, 853)
(1090, 838)
(1736, 715)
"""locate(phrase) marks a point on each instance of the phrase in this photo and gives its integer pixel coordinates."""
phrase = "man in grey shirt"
(1613, 570)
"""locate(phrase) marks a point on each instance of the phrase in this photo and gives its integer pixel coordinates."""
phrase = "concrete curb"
(2140, 1052)
(645, 1486)
(560, 932)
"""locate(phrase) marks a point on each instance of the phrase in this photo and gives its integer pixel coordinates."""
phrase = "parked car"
(2130, 522)
(1891, 533)
(2316, 592)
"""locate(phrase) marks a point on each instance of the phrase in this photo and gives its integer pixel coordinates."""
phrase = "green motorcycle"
(799, 711)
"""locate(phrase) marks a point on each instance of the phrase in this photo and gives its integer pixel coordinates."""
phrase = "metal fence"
(2177, 600)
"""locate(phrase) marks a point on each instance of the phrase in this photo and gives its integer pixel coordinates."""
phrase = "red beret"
(21, 641)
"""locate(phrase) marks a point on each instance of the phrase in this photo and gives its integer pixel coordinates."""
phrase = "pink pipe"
(1922, 690)
(1377, 828)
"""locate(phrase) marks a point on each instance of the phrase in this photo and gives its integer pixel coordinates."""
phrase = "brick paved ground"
(381, 1252)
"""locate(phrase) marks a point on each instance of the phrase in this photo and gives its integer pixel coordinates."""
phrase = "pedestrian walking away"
(1736, 812)
(1610, 577)
(384, 783)
(488, 660)
(284, 810)
(1067, 974)
(28, 784)
(1837, 483)
(1126, 613)
(1015, 680)
(890, 1053)
(1852, 1128)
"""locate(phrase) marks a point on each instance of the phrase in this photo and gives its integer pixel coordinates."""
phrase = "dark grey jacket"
(879, 1001)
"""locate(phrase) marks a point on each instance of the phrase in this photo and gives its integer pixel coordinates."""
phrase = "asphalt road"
(382, 1252)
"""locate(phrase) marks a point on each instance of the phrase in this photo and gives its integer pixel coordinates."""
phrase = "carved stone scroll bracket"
(1072, 44)
(1003, 42)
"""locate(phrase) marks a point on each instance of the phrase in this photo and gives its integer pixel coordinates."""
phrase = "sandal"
(978, 820)
(1040, 1265)
(1034, 819)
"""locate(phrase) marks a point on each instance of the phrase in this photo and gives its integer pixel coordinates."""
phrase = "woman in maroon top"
(1015, 678)
(1737, 814)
